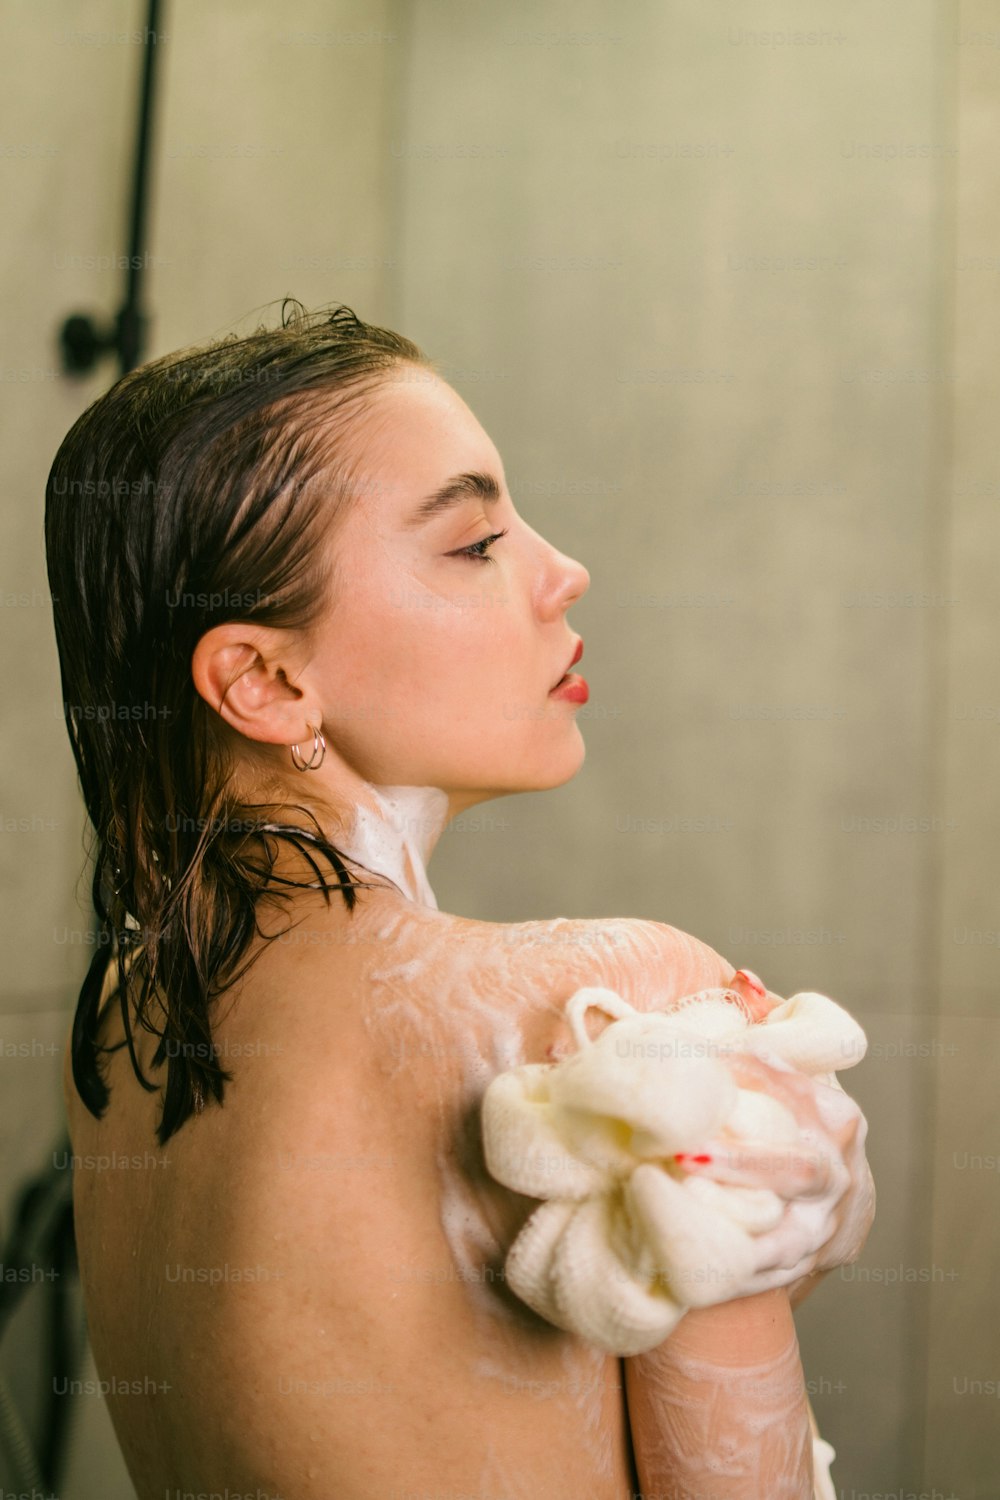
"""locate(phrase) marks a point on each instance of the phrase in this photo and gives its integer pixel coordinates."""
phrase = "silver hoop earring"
(316, 758)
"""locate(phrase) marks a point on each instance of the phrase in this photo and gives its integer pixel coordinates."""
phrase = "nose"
(557, 580)
(574, 580)
(562, 580)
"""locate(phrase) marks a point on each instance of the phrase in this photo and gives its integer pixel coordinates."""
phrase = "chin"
(535, 768)
(559, 765)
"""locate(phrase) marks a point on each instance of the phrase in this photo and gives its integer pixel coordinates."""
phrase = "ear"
(243, 672)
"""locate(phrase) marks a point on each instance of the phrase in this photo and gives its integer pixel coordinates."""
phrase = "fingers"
(796, 1091)
(794, 1248)
(757, 996)
(802, 1171)
(853, 1221)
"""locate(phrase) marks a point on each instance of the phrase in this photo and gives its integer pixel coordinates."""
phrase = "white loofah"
(628, 1238)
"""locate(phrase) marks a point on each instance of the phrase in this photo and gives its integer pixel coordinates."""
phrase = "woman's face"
(434, 665)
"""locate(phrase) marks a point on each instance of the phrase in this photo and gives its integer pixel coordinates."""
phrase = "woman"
(301, 626)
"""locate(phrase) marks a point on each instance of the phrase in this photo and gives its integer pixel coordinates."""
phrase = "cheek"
(417, 655)
(431, 686)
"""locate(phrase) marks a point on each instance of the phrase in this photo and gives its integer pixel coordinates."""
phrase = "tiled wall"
(720, 281)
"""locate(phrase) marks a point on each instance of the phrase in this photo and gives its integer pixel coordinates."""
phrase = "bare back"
(302, 1293)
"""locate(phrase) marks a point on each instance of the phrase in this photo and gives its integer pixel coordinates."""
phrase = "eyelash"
(487, 541)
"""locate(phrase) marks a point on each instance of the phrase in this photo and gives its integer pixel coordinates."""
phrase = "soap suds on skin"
(464, 1008)
(393, 839)
(758, 1442)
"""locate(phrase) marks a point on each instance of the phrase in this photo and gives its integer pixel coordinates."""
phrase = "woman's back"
(303, 1293)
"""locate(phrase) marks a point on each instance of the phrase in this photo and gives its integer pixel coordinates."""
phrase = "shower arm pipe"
(131, 320)
(83, 341)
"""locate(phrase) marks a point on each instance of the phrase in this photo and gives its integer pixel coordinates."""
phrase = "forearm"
(718, 1411)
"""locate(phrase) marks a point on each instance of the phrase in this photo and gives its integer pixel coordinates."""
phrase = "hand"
(849, 1129)
(824, 1176)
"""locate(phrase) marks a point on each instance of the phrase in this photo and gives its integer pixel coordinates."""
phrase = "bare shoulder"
(396, 1019)
(393, 1020)
(650, 963)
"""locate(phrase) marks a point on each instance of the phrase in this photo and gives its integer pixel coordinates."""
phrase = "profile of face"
(446, 629)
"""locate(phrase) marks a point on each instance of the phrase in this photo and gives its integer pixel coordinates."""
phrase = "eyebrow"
(455, 491)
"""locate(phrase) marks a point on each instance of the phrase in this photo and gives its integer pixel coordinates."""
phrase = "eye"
(478, 549)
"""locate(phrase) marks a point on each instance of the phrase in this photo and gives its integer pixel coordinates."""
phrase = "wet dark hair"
(197, 490)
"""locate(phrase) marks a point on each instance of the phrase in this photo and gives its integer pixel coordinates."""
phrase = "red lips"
(574, 659)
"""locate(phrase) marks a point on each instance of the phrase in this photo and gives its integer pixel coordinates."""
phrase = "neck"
(394, 833)
(389, 830)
